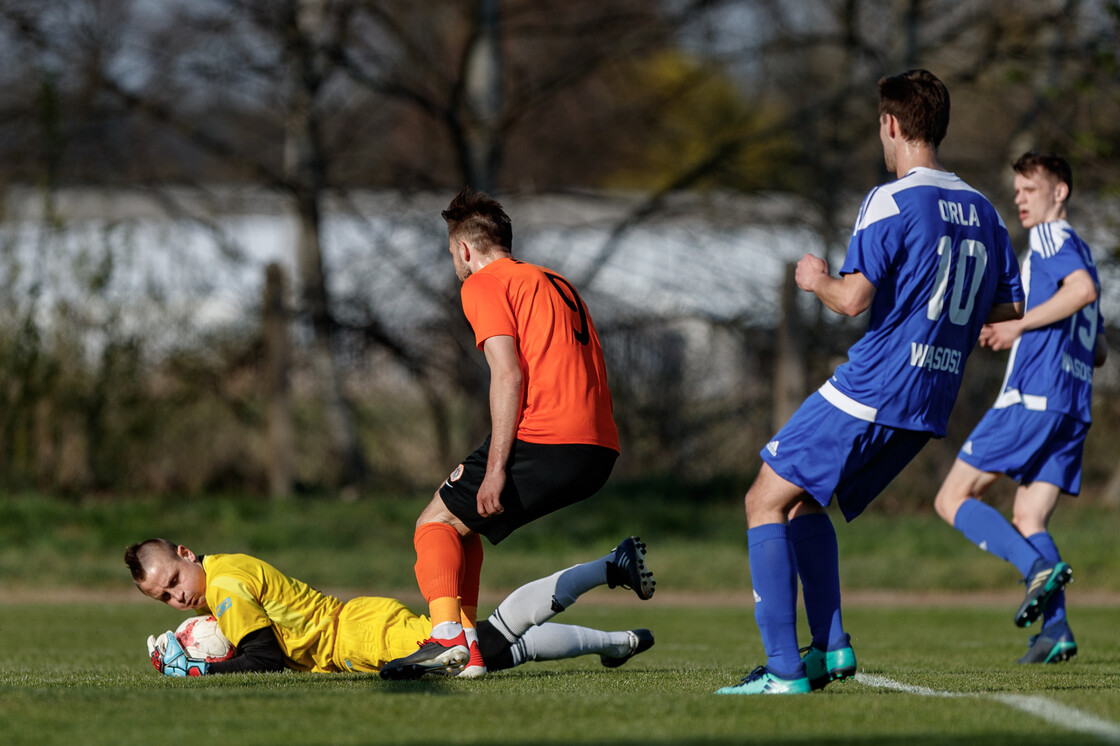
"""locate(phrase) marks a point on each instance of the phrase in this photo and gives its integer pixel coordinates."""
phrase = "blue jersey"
(1051, 368)
(939, 257)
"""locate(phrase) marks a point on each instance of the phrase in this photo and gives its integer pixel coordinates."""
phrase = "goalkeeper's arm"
(259, 651)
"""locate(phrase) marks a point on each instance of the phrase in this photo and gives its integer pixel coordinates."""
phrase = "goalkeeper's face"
(176, 579)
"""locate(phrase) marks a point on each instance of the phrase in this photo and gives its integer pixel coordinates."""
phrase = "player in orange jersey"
(553, 440)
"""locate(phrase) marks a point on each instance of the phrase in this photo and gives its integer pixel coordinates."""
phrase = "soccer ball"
(201, 638)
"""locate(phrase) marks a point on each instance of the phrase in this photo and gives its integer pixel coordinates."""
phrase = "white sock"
(447, 630)
(550, 642)
(536, 602)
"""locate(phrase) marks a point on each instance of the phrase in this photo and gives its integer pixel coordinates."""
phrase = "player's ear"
(1061, 191)
(186, 554)
(893, 129)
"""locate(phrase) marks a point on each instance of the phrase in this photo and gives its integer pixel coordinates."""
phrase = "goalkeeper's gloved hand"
(170, 659)
(156, 648)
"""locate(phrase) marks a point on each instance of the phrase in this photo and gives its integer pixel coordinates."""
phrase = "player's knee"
(759, 513)
(962, 483)
(1027, 522)
(947, 503)
(766, 506)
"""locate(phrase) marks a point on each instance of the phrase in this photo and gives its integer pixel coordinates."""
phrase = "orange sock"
(445, 609)
(439, 562)
(469, 579)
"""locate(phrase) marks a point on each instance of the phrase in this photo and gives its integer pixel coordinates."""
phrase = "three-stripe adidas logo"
(1039, 579)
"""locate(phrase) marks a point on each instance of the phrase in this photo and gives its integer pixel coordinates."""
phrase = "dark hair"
(920, 102)
(1055, 165)
(136, 555)
(479, 219)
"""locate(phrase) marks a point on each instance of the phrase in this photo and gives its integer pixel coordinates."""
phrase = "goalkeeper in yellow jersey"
(276, 621)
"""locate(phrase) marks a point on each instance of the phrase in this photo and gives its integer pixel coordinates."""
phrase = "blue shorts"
(826, 451)
(1028, 446)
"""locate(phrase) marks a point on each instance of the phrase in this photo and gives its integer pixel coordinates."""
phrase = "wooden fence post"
(277, 383)
(789, 359)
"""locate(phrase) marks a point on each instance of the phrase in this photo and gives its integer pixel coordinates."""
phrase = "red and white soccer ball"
(201, 638)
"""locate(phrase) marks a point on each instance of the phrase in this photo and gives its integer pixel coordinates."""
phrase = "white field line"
(1052, 712)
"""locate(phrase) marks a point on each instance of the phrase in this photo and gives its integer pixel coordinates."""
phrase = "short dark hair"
(137, 554)
(1055, 165)
(480, 219)
(920, 102)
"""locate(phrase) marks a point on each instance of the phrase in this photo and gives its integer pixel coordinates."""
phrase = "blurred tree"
(320, 100)
(1023, 74)
(306, 97)
(278, 365)
(694, 120)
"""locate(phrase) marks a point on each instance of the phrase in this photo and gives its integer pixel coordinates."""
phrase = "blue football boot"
(1053, 645)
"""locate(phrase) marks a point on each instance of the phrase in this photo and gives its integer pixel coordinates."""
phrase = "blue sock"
(1056, 609)
(818, 565)
(986, 527)
(774, 577)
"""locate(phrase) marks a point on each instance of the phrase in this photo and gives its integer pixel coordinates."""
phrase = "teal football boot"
(823, 667)
(761, 681)
(1043, 581)
(1053, 645)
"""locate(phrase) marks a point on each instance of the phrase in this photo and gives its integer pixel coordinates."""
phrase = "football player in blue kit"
(1035, 431)
(931, 260)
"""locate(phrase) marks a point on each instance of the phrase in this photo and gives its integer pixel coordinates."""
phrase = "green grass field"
(936, 652)
(77, 673)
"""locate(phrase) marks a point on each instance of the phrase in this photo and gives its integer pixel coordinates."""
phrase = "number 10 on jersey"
(960, 307)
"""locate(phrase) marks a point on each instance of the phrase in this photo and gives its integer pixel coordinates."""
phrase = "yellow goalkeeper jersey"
(317, 632)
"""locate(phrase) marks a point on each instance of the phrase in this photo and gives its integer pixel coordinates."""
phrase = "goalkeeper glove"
(170, 659)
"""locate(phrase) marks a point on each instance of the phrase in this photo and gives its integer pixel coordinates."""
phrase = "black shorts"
(542, 478)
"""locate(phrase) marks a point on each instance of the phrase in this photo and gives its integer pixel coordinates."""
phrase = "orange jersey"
(565, 398)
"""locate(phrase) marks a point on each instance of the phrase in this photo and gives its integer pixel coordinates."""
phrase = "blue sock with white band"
(986, 527)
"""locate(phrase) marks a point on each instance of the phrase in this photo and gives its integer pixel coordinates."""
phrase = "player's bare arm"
(849, 295)
(505, 412)
(1077, 291)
